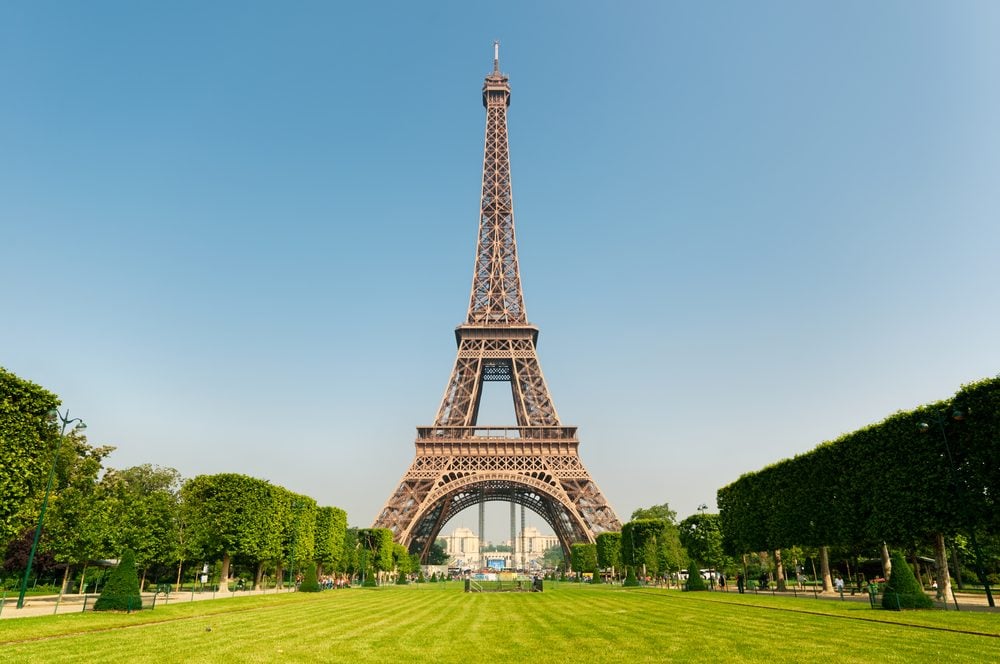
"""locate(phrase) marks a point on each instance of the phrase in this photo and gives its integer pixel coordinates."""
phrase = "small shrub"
(309, 583)
(694, 581)
(434, 577)
(121, 592)
(903, 591)
(630, 579)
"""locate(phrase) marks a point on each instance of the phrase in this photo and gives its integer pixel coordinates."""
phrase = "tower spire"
(496, 281)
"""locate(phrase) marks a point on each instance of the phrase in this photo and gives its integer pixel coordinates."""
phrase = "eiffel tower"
(459, 463)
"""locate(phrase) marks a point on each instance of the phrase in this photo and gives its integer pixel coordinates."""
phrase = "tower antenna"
(496, 56)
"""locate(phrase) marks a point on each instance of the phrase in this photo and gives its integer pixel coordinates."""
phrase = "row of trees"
(927, 475)
(653, 544)
(96, 513)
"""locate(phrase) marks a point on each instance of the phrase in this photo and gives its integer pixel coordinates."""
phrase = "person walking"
(739, 582)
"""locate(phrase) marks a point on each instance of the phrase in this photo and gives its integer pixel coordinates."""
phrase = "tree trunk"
(142, 581)
(824, 568)
(886, 562)
(65, 583)
(258, 576)
(279, 576)
(779, 570)
(180, 566)
(83, 580)
(224, 574)
(958, 570)
(941, 559)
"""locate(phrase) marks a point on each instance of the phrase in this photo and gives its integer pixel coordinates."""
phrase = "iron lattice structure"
(458, 463)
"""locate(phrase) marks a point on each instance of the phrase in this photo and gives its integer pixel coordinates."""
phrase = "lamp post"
(52, 416)
(924, 427)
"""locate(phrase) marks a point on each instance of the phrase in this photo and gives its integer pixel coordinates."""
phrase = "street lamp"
(924, 427)
(52, 416)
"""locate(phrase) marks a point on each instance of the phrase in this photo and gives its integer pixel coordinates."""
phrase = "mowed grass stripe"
(442, 624)
(964, 623)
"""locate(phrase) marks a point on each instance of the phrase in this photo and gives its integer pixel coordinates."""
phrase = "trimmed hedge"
(309, 583)
(694, 581)
(121, 592)
(903, 591)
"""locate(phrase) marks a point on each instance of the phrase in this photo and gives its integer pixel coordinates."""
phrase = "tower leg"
(482, 534)
(513, 534)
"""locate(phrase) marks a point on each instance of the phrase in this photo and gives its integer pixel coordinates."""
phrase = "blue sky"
(237, 236)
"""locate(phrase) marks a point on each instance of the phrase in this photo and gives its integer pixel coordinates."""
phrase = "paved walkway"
(47, 605)
(966, 601)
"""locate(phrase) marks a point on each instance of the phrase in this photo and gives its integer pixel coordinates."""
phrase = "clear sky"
(238, 236)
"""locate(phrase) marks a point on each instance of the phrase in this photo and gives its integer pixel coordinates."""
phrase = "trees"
(78, 526)
(609, 551)
(923, 475)
(438, 555)
(701, 537)
(648, 544)
(553, 556)
(331, 523)
(349, 563)
(376, 545)
(27, 443)
(659, 512)
(667, 550)
(228, 514)
(143, 504)
(584, 557)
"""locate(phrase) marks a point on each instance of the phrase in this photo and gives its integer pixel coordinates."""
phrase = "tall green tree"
(401, 562)
(554, 557)
(349, 563)
(144, 502)
(27, 445)
(376, 546)
(584, 557)
(701, 537)
(78, 524)
(228, 515)
(609, 551)
(331, 524)
(438, 555)
(658, 512)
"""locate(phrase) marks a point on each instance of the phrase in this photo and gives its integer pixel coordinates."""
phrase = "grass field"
(440, 623)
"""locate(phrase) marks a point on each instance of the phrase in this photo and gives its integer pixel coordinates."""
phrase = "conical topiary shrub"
(903, 591)
(434, 577)
(420, 577)
(596, 577)
(630, 579)
(121, 592)
(695, 581)
(309, 583)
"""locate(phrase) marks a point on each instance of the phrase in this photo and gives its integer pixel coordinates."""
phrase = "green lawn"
(440, 623)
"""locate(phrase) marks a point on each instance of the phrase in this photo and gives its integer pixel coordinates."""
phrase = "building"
(463, 549)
